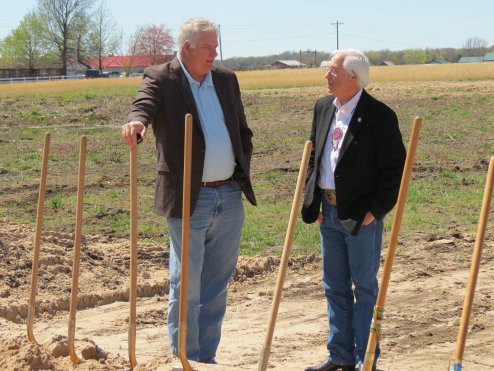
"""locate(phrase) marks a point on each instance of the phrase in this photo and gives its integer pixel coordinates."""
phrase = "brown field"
(271, 78)
(313, 76)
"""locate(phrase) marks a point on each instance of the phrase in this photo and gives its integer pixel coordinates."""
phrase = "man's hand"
(369, 218)
(320, 218)
(130, 130)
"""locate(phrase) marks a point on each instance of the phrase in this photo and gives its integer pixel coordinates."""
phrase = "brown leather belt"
(218, 183)
(330, 195)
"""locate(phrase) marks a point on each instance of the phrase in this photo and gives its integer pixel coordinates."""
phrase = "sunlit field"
(315, 76)
(260, 79)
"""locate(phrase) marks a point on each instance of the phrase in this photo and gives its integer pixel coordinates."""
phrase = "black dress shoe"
(327, 365)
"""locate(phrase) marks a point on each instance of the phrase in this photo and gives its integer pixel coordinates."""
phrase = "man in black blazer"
(221, 154)
(353, 181)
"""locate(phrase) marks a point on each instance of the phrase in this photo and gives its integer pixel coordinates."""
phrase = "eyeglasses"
(333, 72)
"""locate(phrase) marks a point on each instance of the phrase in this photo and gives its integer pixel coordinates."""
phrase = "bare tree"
(61, 16)
(155, 41)
(128, 62)
(104, 37)
(475, 47)
(80, 43)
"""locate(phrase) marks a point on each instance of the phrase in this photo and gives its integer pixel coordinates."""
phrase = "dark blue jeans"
(350, 266)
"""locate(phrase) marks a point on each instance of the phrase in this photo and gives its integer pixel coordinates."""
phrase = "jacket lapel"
(225, 100)
(322, 135)
(357, 121)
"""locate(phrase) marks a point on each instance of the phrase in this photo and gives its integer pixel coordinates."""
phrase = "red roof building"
(128, 64)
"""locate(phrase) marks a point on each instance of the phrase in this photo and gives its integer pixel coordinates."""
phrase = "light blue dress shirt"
(219, 161)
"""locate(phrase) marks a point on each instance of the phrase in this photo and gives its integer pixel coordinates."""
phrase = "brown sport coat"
(163, 100)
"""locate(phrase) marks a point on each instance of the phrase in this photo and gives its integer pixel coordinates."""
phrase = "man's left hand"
(369, 218)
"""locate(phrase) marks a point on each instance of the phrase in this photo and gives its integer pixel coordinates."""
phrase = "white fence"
(40, 78)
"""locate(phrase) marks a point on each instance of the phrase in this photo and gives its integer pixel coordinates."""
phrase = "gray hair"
(191, 28)
(355, 63)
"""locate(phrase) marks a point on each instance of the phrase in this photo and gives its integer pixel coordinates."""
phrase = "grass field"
(455, 101)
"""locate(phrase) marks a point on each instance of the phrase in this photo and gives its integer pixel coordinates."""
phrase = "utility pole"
(337, 38)
(221, 51)
(308, 52)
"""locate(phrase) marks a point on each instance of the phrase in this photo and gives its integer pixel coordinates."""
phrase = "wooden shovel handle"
(37, 239)
(184, 259)
(77, 249)
(133, 256)
(475, 264)
(292, 222)
(393, 242)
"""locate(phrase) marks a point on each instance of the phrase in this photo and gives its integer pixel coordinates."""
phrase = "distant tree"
(449, 54)
(261, 62)
(61, 17)
(128, 63)
(415, 56)
(431, 54)
(154, 41)
(26, 42)
(311, 58)
(474, 47)
(80, 40)
(375, 57)
(104, 36)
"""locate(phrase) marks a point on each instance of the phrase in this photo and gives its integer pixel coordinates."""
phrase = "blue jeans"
(349, 260)
(215, 230)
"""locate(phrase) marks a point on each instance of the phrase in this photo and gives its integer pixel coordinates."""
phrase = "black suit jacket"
(370, 165)
(163, 100)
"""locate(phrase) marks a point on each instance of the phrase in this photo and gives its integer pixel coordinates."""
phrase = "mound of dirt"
(423, 307)
(103, 279)
(17, 353)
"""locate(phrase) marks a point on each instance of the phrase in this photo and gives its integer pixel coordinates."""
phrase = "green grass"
(56, 202)
(444, 196)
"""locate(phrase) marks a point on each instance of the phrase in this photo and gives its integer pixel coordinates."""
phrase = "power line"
(279, 38)
(277, 27)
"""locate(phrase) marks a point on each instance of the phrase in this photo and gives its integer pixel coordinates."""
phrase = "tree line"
(70, 30)
(473, 46)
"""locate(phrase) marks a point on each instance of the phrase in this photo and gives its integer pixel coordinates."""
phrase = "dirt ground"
(423, 307)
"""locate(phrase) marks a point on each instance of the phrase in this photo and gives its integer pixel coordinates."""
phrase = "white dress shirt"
(336, 135)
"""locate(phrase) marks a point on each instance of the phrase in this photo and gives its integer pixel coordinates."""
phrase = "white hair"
(355, 63)
(191, 28)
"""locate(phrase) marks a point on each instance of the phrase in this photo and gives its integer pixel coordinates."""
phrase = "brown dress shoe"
(327, 365)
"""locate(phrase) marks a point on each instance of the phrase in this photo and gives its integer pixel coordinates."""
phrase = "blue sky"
(256, 28)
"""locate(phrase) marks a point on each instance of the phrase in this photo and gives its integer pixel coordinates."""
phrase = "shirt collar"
(208, 80)
(350, 105)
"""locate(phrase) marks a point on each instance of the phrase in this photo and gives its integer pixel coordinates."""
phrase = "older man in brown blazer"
(222, 149)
